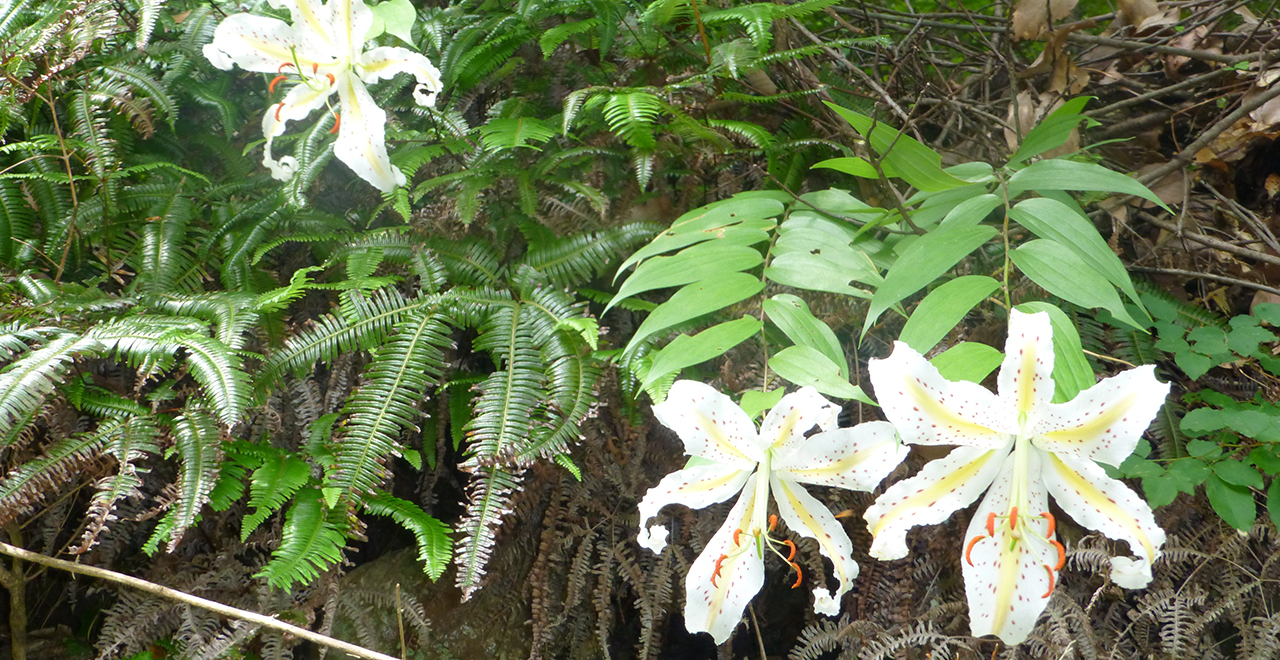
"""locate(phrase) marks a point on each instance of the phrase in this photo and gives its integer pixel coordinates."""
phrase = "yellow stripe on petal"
(1105, 505)
(933, 409)
(1090, 430)
(935, 491)
(815, 528)
(716, 435)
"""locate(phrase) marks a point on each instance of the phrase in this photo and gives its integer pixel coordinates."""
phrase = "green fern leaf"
(434, 546)
(488, 500)
(129, 442)
(632, 115)
(198, 442)
(503, 413)
(756, 19)
(513, 132)
(310, 544)
(757, 135)
(551, 39)
(278, 479)
(25, 383)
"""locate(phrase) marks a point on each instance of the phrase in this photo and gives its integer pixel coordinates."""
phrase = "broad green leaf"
(1063, 273)
(1052, 131)
(803, 366)
(968, 360)
(915, 163)
(1234, 503)
(1204, 449)
(1071, 371)
(1054, 220)
(1266, 459)
(1273, 502)
(792, 315)
(943, 309)
(695, 300)
(395, 17)
(922, 262)
(855, 166)
(1238, 474)
(1060, 174)
(971, 211)
(708, 222)
(813, 272)
(707, 260)
(755, 402)
(686, 351)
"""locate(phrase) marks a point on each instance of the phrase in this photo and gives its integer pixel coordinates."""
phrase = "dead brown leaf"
(1032, 18)
(1134, 12)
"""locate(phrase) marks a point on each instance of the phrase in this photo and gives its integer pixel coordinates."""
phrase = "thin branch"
(1206, 276)
(203, 603)
(1209, 241)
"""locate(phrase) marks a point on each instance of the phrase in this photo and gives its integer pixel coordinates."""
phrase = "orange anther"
(1053, 524)
(736, 532)
(314, 68)
(331, 79)
(791, 545)
(278, 109)
(773, 521)
(1013, 518)
(716, 573)
(336, 122)
(1062, 555)
(282, 66)
(799, 575)
(271, 88)
(968, 550)
(1050, 572)
(991, 524)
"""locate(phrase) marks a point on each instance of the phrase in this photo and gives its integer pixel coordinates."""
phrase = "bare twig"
(1209, 241)
(203, 603)
(1206, 276)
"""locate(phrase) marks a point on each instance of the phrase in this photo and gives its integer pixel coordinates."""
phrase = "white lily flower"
(324, 48)
(735, 457)
(1020, 448)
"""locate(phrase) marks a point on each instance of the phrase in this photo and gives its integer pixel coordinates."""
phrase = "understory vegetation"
(418, 417)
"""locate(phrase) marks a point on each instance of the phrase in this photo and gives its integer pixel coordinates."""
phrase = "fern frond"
(508, 397)
(273, 483)
(130, 441)
(387, 403)
(434, 546)
(310, 544)
(552, 38)
(576, 259)
(28, 485)
(489, 499)
(25, 383)
(470, 261)
(755, 134)
(513, 132)
(147, 15)
(632, 116)
(198, 442)
(140, 79)
(217, 369)
(756, 19)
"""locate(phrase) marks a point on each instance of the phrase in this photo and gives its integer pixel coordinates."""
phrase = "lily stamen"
(799, 575)
(790, 544)
(1050, 572)
(337, 121)
(271, 87)
(773, 522)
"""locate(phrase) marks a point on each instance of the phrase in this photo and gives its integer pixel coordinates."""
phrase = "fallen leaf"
(1134, 12)
(1032, 18)
(1025, 107)
(1272, 184)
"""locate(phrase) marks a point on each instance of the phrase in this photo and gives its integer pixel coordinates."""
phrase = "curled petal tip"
(654, 538)
(425, 95)
(1130, 573)
(823, 603)
(283, 169)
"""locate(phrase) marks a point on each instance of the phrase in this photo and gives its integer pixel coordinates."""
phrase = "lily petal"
(796, 414)
(930, 497)
(349, 21)
(262, 44)
(710, 425)
(810, 518)
(361, 140)
(301, 100)
(1025, 382)
(310, 17)
(387, 61)
(1008, 583)
(857, 458)
(1101, 503)
(1105, 422)
(717, 608)
(695, 487)
(928, 409)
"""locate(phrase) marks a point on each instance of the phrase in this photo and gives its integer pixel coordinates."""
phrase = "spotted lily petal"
(942, 487)
(928, 409)
(695, 487)
(716, 606)
(312, 18)
(1025, 382)
(857, 458)
(1009, 576)
(1101, 503)
(710, 424)
(809, 518)
(362, 136)
(349, 21)
(795, 415)
(387, 61)
(301, 100)
(262, 44)
(1105, 422)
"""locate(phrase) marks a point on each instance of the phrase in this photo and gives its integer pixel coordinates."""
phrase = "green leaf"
(755, 402)
(1268, 312)
(943, 309)
(803, 366)
(709, 260)
(395, 17)
(855, 166)
(1071, 371)
(1060, 174)
(1238, 474)
(915, 163)
(1273, 502)
(310, 544)
(686, 351)
(1062, 273)
(695, 300)
(922, 262)
(971, 211)
(792, 316)
(1204, 449)
(272, 484)
(1054, 220)
(1234, 503)
(1266, 459)
(751, 216)
(1052, 131)
(434, 546)
(514, 132)
(968, 360)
